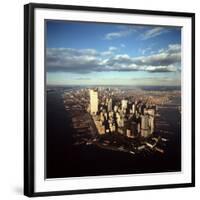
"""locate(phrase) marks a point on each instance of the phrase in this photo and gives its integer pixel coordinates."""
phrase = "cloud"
(72, 60)
(153, 32)
(174, 48)
(170, 68)
(144, 32)
(145, 50)
(112, 48)
(89, 60)
(160, 59)
(115, 35)
(123, 31)
(107, 53)
(110, 51)
(168, 56)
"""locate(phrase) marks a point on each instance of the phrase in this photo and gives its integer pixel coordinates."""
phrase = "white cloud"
(106, 53)
(174, 47)
(170, 68)
(89, 60)
(112, 48)
(151, 33)
(110, 51)
(119, 34)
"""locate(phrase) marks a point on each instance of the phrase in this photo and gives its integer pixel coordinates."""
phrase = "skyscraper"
(151, 123)
(115, 108)
(93, 101)
(109, 105)
(133, 108)
(145, 129)
(124, 104)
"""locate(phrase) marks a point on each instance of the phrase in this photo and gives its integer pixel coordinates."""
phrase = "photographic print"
(108, 99)
(113, 94)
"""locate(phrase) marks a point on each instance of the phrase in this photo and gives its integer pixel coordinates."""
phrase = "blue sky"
(80, 53)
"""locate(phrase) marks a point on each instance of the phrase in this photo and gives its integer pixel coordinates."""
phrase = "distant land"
(156, 88)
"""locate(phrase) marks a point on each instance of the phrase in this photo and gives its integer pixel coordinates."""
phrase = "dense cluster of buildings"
(133, 119)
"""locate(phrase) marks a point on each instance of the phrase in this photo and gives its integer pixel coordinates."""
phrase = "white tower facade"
(145, 129)
(133, 108)
(93, 101)
(124, 104)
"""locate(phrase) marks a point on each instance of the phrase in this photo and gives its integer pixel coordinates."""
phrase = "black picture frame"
(29, 81)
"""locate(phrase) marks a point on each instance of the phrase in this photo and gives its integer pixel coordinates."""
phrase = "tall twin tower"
(93, 101)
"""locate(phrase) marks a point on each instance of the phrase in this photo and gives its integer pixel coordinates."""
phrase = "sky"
(86, 53)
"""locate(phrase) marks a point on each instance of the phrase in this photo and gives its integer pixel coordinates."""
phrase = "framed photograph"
(108, 99)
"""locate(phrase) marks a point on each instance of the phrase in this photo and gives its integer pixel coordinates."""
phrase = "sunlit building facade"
(93, 102)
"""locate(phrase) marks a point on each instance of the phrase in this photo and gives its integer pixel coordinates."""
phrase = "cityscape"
(120, 120)
(113, 99)
(139, 126)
